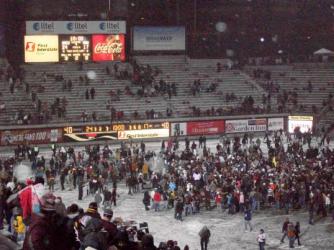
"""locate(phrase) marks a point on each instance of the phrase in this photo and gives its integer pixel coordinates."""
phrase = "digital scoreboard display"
(122, 131)
(75, 48)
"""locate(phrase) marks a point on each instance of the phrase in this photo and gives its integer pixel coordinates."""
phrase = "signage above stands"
(75, 27)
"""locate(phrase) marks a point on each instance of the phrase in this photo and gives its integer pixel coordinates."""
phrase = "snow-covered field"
(227, 232)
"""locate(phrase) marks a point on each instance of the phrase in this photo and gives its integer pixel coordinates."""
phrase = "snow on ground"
(227, 232)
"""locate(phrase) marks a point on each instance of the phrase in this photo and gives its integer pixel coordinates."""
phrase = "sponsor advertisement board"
(151, 38)
(30, 136)
(75, 27)
(305, 123)
(178, 128)
(275, 124)
(143, 133)
(108, 47)
(41, 49)
(205, 127)
(247, 125)
(75, 48)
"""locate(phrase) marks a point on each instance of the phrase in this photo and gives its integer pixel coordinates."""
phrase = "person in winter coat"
(178, 209)
(156, 201)
(93, 237)
(109, 227)
(204, 234)
(147, 200)
(261, 239)
(98, 198)
(148, 242)
(92, 212)
(291, 235)
(48, 230)
(285, 229)
(297, 232)
(248, 219)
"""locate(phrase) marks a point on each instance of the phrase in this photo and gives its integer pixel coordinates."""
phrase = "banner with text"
(305, 123)
(75, 27)
(143, 133)
(149, 38)
(108, 47)
(275, 124)
(205, 127)
(41, 49)
(250, 125)
(30, 136)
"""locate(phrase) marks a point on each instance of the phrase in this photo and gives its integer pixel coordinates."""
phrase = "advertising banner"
(75, 27)
(151, 38)
(179, 128)
(30, 136)
(250, 125)
(205, 127)
(143, 133)
(305, 123)
(41, 49)
(75, 48)
(108, 47)
(275, 124)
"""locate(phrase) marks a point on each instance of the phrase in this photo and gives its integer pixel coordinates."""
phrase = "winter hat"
(92, 207)
(108, 212)
(48, 202)
(72, 209)
(147, 240)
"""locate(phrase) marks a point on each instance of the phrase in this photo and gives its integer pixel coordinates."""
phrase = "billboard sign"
(149, 38)
(108, 47)
(75, 27)
(75, 48)
(247, 125)
(178, 128)
(41, 49)
(205, 127)
(30, 136)
(143, 133)
(275, 124)
(305, 123)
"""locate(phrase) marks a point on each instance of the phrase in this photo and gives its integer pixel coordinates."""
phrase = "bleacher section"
(296, 77)
(178, 69)
(183, 71)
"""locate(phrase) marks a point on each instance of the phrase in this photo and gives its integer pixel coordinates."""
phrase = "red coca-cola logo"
(108, 48)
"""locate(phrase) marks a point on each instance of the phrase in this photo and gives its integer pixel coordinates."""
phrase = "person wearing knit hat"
(92, 212)
(48, 203)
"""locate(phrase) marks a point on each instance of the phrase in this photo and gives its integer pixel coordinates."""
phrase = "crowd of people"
(236, 177)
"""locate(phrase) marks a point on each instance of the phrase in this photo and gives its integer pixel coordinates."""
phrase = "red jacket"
(157, 197)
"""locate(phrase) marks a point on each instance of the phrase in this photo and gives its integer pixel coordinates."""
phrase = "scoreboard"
(122, 131)
(75, 48)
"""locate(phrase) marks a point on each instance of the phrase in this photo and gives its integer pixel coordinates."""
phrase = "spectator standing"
(204, 234)
(291, 235)
(297, 232)
(248, 219)
(285, 229)
(92, 93)
(261, 239)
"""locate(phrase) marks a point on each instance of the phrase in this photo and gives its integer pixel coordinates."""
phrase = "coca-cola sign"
(108, 47)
